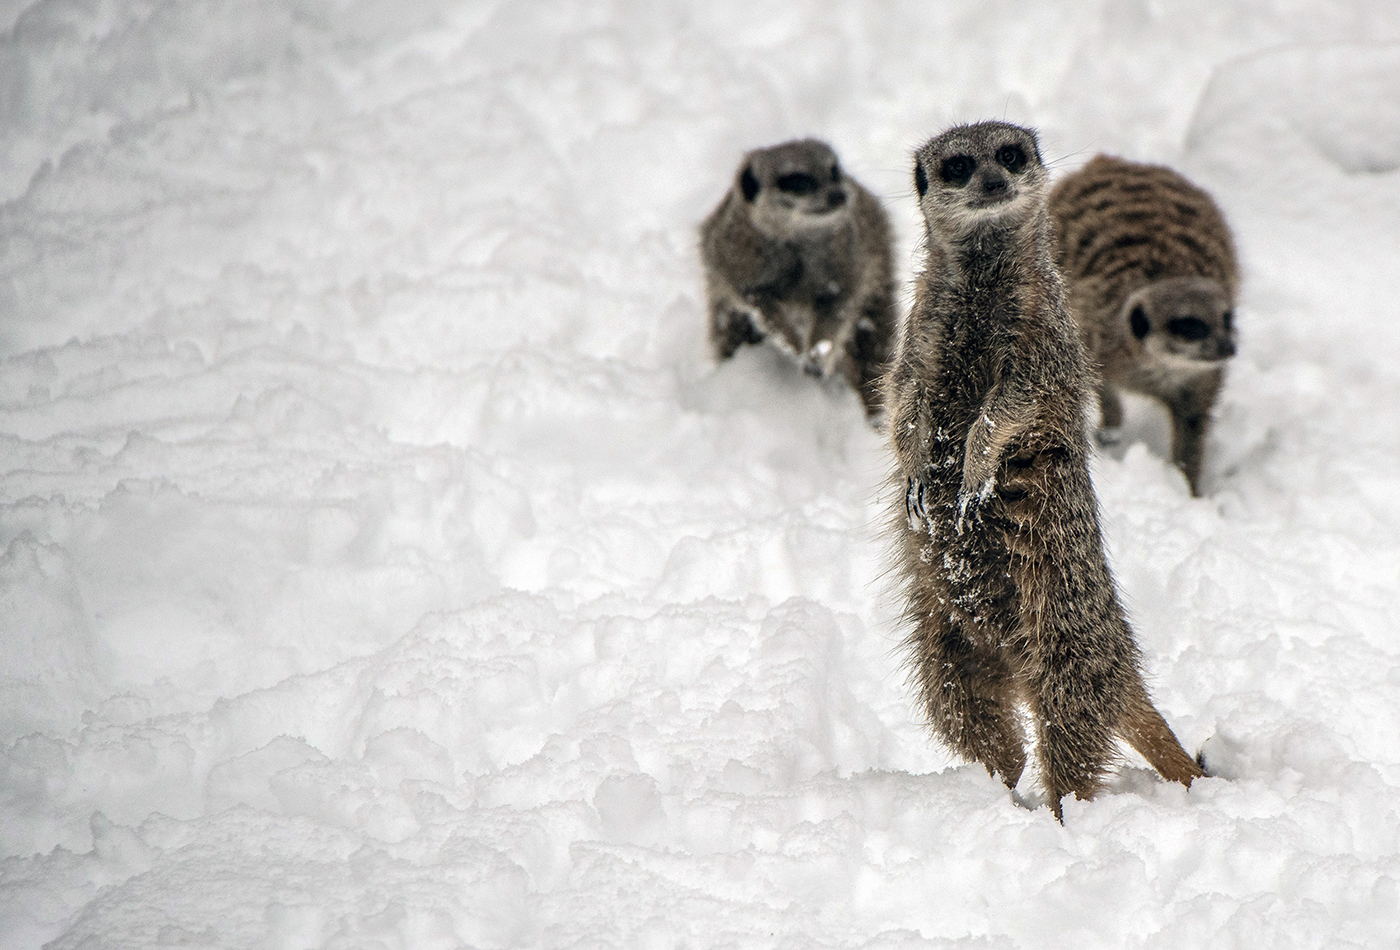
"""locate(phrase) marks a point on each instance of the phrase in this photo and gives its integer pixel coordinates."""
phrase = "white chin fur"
(1185, 364)
(966, 213)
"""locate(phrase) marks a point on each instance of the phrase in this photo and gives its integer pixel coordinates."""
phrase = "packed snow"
(385, 563)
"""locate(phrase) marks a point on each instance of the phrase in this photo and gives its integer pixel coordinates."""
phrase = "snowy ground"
(385, 565)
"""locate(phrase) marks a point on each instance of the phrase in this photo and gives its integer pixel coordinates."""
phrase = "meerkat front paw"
(915, 511)
(738, 328)
(970, 504)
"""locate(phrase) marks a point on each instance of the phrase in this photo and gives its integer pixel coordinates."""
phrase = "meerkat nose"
(1227, 348)
(993, 185)
(836, 198)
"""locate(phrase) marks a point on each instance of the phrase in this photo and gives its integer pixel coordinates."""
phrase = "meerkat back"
(1152, 278)
(799, 254)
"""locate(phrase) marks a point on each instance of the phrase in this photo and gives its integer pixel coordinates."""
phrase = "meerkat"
(799, 254)
(1151, 275)
(1009, 597)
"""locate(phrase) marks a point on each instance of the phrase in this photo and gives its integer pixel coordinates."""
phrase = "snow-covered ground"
(384, 563)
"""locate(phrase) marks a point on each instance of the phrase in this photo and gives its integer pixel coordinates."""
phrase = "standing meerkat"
(1009, 596)
(798, 253)
(1151, 276)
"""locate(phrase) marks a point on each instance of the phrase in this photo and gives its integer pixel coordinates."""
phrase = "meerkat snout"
(994, 183)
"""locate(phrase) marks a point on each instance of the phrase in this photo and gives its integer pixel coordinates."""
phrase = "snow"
(383, 563)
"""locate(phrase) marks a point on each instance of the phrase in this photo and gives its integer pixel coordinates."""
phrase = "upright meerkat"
(1009, 596)
(798, 253)
(1151, 276)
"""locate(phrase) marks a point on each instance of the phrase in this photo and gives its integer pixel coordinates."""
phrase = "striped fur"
(1142, 250)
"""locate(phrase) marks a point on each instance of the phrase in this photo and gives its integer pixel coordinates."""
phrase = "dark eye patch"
(1139, 322)
(1188, 328)
(1228, 320)
(797, 183)
(957, 170)
(835, 172)
(748, 183)
(1011, 157)
(920, 179)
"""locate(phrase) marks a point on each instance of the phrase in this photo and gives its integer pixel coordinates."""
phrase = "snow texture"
(384, 564)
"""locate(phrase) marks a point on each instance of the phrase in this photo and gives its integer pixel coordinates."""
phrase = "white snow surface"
(386, 565)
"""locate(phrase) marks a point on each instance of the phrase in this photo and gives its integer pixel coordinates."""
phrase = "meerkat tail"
(1146, 731)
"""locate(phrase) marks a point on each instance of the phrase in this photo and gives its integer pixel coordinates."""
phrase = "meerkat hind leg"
(970, 698)
(864, 367)
(1188, 438)
(1110, 430)
(1190, 411)
(1076, 738)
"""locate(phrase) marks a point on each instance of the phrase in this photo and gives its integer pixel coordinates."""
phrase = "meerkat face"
(1185, 321)
(792, 187)
(979, 174)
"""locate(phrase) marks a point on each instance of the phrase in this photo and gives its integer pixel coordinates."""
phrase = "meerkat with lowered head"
(798, 253)
(1151, 275)
(1009, 596)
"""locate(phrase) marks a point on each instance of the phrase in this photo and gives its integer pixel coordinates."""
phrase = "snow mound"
(1338, 102)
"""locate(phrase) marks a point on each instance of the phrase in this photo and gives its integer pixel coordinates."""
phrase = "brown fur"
(1141, 239)
(1010, 598)
(808, 269)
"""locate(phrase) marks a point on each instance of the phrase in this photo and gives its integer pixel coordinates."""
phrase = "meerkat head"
(793, 187)
(1187, 321)
(983, 174)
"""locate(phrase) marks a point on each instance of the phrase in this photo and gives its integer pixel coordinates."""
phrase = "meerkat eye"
(1139, 322)
(748, 184)
(920, 179)
(957, 170)
(1228, 320)
(1011, 157)
(797, 183)
(1188, 328)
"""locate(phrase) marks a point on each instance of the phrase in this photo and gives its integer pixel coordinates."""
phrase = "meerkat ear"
(1138, 320)
(920, 178)
(748, 183)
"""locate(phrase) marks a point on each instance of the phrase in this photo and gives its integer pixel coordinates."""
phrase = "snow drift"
(382, 563)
